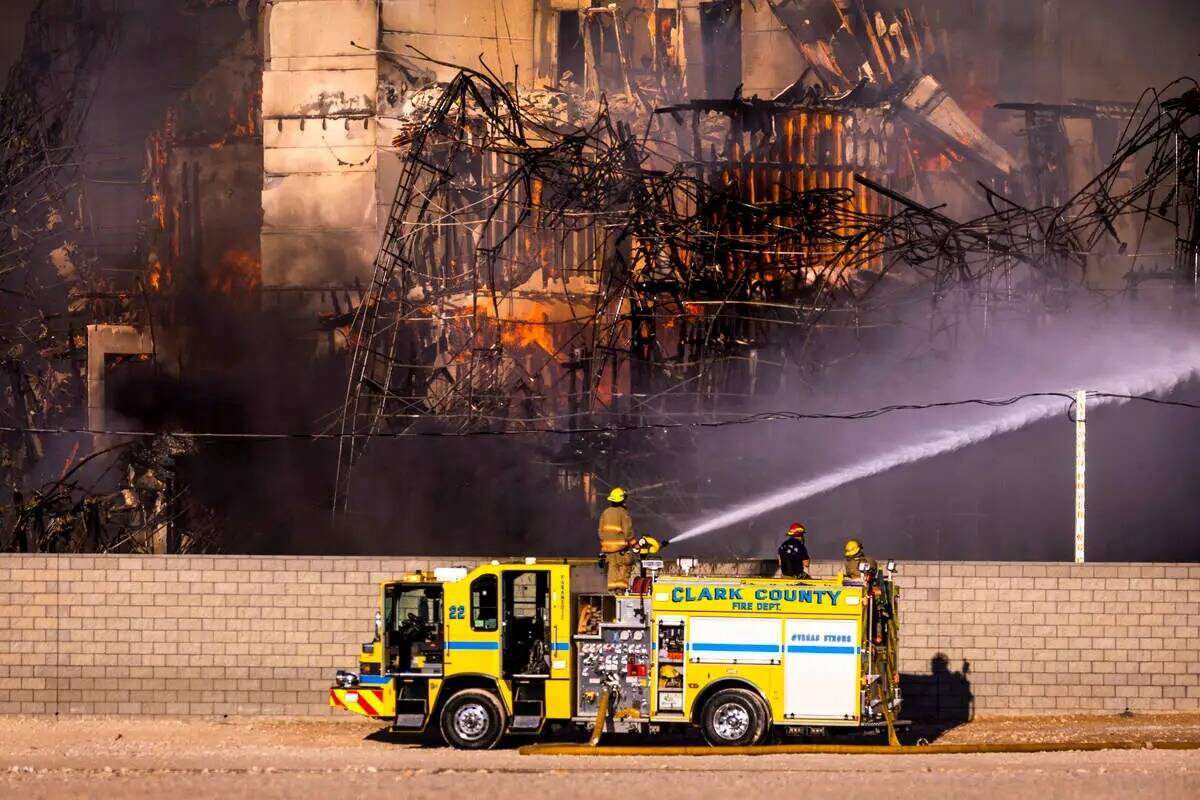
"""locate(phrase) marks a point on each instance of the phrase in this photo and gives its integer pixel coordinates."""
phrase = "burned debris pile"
(534, 277)
(84, 321)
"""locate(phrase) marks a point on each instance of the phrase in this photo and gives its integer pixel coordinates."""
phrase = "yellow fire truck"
(508, 647)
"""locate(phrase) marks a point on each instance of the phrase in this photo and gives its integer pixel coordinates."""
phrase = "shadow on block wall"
(940, 700)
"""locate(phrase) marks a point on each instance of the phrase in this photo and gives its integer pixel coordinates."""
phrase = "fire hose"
(551, 749)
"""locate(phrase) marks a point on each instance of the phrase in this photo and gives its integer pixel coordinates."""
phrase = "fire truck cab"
(506, 648)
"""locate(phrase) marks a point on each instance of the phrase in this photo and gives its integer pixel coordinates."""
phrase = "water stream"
(1151, 378)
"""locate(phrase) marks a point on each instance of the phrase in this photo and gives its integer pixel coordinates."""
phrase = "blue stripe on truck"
(374, 680)
(721, 647)
(472, 645)
(816, 648)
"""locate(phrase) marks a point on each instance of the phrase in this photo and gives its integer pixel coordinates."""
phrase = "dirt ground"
(305, 759)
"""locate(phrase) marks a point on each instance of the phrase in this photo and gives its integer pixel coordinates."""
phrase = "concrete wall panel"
(295, 160)
(321, 28)
(335, 145)
(297, 258)
(770, 60)
(319, 93)
(501, 20)
(499, 55)
(343, 132)
(319, 201)
(414, 16)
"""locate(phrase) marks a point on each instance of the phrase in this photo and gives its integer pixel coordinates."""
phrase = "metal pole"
(1080, 470)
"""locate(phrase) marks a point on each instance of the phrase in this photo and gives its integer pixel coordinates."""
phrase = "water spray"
(1152, 379)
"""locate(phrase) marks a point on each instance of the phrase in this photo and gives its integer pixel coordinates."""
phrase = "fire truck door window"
(485, 606)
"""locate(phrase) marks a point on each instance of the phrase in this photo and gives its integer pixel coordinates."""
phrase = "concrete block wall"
(1051, 638)
(248, 635)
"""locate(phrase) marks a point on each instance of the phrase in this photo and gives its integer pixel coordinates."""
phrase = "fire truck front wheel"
(733, 718)
(472, 719)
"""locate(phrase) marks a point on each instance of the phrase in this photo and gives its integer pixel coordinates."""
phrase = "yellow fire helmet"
(617, 495)
(669, 672)
(853, 548)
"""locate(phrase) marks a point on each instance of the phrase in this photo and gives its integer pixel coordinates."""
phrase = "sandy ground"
(318, 759)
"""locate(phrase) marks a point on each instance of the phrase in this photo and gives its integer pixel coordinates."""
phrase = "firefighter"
(617, 540)
(856, 556)
(793, 555)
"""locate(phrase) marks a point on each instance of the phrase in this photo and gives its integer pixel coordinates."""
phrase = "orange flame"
(159, 206)
(238, 271)
(536, 331)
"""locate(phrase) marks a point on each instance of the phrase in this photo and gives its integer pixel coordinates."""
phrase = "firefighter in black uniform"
(793, 555)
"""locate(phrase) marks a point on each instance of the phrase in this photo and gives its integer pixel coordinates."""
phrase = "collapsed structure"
(608, 220)
(547, 268)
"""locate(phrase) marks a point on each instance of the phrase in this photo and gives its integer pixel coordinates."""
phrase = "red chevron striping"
(337, 701)
(362, 701)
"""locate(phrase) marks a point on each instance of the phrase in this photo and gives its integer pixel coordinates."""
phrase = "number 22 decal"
(458, 612)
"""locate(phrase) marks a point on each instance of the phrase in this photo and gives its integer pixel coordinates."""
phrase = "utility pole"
(1080, 470)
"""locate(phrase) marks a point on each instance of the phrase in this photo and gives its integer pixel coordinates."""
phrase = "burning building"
(598, 224)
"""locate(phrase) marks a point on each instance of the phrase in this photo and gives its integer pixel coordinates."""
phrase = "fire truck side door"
(473, 645)
(525, 626)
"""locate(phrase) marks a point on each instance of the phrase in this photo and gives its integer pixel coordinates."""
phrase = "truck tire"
(765, 710)
(733, 718)
(472, 719)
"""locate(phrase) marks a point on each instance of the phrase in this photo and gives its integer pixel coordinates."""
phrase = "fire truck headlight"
(346, 680)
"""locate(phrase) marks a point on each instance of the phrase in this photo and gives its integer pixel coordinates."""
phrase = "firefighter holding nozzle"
(616, 533)
(620, 547)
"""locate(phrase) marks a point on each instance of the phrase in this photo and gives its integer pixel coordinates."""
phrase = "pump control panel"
(618, 659)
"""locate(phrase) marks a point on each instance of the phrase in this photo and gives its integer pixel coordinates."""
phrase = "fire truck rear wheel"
(472, 719)
(733, 718)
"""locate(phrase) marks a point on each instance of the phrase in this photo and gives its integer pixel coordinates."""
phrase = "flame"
(938, 163)
(535, 331)
(975, 101)
(243, 121)
(159, 206)
(238, 271)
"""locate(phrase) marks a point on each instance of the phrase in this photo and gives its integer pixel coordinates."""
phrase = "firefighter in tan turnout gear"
(856, 559)
(616, 537)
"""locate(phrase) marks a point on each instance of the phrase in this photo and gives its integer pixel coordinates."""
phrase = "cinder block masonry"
(262, 635)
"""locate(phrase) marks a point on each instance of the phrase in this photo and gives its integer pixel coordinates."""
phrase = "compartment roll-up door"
(821, 669)
(734, 640)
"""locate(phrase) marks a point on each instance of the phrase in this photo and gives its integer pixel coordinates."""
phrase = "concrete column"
(103, 341)
(770, 60)
(693, 48)
(319, 132)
